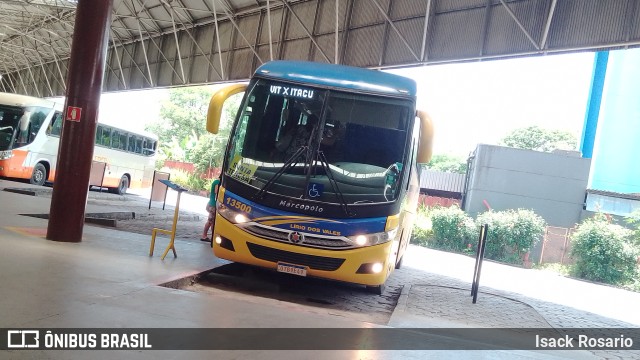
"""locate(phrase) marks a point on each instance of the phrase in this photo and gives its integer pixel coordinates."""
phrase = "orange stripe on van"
(14, 167)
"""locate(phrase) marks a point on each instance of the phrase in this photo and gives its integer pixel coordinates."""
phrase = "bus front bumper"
(352, 265)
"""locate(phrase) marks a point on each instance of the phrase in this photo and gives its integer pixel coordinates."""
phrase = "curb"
(169, 217)
(20, 191)
(401, 305)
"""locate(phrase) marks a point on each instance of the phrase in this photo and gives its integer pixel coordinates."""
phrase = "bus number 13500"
(238, 205)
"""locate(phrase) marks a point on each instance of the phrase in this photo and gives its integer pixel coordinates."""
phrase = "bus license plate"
(292, 269)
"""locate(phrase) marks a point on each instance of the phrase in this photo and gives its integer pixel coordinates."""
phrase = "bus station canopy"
(165, 43)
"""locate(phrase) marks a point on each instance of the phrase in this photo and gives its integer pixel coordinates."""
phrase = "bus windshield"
(19, 126)
(319, 144)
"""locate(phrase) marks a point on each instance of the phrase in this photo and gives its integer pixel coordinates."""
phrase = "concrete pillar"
(84, 85)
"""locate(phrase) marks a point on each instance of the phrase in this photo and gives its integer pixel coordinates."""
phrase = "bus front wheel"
(39, 175)
(122, 186)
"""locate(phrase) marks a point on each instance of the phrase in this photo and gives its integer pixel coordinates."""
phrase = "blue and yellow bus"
(320, 176)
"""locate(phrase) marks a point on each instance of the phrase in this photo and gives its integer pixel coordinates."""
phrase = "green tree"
(182, 127)
(209, 150)
(182, 117)
(537, 138)
(448, 163)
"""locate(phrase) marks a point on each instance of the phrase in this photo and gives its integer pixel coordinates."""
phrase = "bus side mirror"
(215, 105)
(426, 137)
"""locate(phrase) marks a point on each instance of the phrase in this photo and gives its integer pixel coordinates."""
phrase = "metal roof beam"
(393, 26)
(515, 18)
(547, 25)
(427, 16)
(133, 60)
(304, 28)
(235, 25)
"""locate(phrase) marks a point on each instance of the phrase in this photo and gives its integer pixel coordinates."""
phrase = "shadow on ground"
(349, 300)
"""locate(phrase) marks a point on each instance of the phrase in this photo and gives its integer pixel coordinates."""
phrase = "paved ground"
(431, 290)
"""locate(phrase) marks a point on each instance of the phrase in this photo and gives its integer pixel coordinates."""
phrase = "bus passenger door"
(410, 208)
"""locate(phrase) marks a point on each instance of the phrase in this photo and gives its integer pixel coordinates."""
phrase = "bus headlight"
(233, 216)
(361, 240)
(240, 219)
(373, 239)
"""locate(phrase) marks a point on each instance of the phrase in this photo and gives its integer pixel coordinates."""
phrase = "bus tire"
(123, 185)
(378, 290)
(39, 175)
(399, 263)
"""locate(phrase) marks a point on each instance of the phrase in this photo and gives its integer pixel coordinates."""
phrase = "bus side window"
(36, 123)
(103, 136)
(55, 129)
(132, 143)
(115, 139)
(149, 147)
(99, 135)
(106, 137)
(138, 146)
(123, 142)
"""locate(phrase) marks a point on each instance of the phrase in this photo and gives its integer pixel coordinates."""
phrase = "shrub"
(192, 182)
(177, 176)
(422, 231)
(453, 229)
(604, 252)
(512, 233)
(634, 221)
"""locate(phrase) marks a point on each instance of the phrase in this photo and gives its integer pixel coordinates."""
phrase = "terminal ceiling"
(165, 43)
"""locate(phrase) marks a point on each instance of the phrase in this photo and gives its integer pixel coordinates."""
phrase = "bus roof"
(339, 76)
(24, 100)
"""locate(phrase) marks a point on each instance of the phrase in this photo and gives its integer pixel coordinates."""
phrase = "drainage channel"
(337, 298)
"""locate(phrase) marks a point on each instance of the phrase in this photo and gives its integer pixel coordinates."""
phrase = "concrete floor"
(109, 281)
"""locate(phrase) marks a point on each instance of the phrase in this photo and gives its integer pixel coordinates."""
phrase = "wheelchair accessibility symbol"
(315, 190)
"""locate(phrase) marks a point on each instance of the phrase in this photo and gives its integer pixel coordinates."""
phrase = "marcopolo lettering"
(304, 207)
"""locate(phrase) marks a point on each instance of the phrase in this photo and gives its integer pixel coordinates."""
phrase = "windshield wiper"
(287, 165)
(333, 182)
(293, 160)
(325, 165)
(290, 162)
